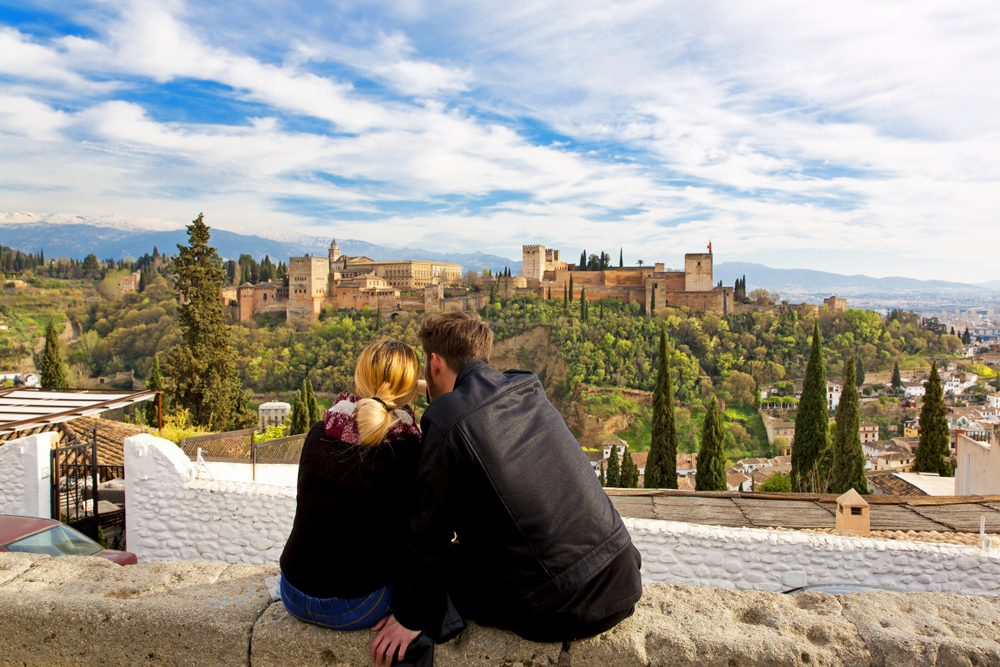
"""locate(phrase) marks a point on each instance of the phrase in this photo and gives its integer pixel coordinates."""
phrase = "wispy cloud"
(769, 126)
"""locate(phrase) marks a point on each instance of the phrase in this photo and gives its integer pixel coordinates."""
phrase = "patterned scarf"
(341, 421)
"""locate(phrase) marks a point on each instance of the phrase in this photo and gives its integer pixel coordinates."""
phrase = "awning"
(23, 409)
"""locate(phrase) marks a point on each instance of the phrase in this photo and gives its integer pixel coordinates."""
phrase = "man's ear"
(436, 362)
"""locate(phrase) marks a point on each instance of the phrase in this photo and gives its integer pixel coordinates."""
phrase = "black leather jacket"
(500, 469)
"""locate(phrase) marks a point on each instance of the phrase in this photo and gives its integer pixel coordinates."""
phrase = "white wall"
(978, 470)
(770, 560)
(173, 516)
(278, 474)
(24, 476)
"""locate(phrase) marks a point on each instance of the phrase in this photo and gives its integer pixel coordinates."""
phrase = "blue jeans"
(337, 613)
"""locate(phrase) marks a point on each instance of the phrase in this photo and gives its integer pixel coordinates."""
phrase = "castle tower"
(533, 262)
(245, 301)
(698, 272)
(335, 263)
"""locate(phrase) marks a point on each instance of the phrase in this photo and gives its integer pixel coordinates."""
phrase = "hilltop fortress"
(652, 287)
(352, 283)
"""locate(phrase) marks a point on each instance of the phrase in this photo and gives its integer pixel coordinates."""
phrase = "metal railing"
(229, 446)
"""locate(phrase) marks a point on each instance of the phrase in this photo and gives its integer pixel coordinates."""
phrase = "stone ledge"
(72, 611)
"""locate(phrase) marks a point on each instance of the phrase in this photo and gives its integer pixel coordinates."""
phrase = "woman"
(355, 474)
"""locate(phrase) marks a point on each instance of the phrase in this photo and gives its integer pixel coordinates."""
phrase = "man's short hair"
(458, 338)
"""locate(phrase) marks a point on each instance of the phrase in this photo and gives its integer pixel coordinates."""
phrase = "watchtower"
(698, 272)
(533, 262)
(245, 300)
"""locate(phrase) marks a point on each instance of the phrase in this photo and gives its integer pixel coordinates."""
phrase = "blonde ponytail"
(385, 378)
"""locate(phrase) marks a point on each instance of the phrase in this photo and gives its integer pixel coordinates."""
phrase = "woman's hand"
(391, 638)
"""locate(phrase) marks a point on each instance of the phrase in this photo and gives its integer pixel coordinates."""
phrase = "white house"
(833, 391)
(914, 389)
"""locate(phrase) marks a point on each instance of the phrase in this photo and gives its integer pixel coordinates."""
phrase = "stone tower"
(698, 272)
(335, 264)
(533, 262)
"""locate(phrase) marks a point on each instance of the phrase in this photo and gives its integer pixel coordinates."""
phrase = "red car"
(46, 536)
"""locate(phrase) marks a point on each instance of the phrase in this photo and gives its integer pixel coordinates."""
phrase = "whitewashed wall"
(770, 560)
(173, 516)
(24, 476)
(278, 474)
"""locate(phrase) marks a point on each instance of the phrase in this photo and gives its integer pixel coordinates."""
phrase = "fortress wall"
(88, 611)
(172, 516)
(24, 476)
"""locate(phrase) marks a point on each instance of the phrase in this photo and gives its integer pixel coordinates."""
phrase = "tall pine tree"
(897, 379)
(711, 475)
(51, 368)
(811, 423)
(583, 304)
(661, 464)
(614, 478)
(933, 450)
(201, 372)
(571, 288)
(848, 457)
(621, 258)
(859, 373)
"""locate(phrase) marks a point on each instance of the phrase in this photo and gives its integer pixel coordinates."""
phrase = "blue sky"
(857, 140)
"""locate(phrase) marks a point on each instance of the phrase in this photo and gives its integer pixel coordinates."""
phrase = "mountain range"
(114, 237)
(117, 237)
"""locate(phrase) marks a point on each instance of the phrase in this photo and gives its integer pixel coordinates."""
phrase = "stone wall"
(173, 516)
(88, 611)
(769, 560)
(24, 476)
(978, 470)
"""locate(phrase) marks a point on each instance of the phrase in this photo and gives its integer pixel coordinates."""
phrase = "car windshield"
(56, 541)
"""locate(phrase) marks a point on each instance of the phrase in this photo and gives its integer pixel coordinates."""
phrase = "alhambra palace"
(352, 283)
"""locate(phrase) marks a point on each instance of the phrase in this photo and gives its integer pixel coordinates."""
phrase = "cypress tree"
(811, 423)
(897, 379)
(603, 478)
(583, 304)
(51, 368)
(630, 471)
(312, 405)
(859, 373)
(614, 478)
(848, 456)
(661, 465)
(711, 455)
(571, 288)
(565, 298)
(933, 450)
(154, 383)
(621, 258)
(602, 309)
(299, 422)
(583, 260)
(201, 372)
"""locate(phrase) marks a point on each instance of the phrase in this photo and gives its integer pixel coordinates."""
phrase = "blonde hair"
(385, 378)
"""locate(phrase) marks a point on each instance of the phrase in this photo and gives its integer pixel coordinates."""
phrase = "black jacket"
(352, 506)
(500, 469)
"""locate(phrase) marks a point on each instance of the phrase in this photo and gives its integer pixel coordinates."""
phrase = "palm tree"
(640, 262)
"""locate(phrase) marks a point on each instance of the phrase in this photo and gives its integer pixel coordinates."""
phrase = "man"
(509, 518)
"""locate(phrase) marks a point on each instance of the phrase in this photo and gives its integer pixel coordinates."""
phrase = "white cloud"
(764, 126)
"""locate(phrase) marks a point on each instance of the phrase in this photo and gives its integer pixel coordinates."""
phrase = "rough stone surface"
(73, 611)
(13, 565)
(280, 640)
(680, 626)
(930, 629)
(12, 491)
